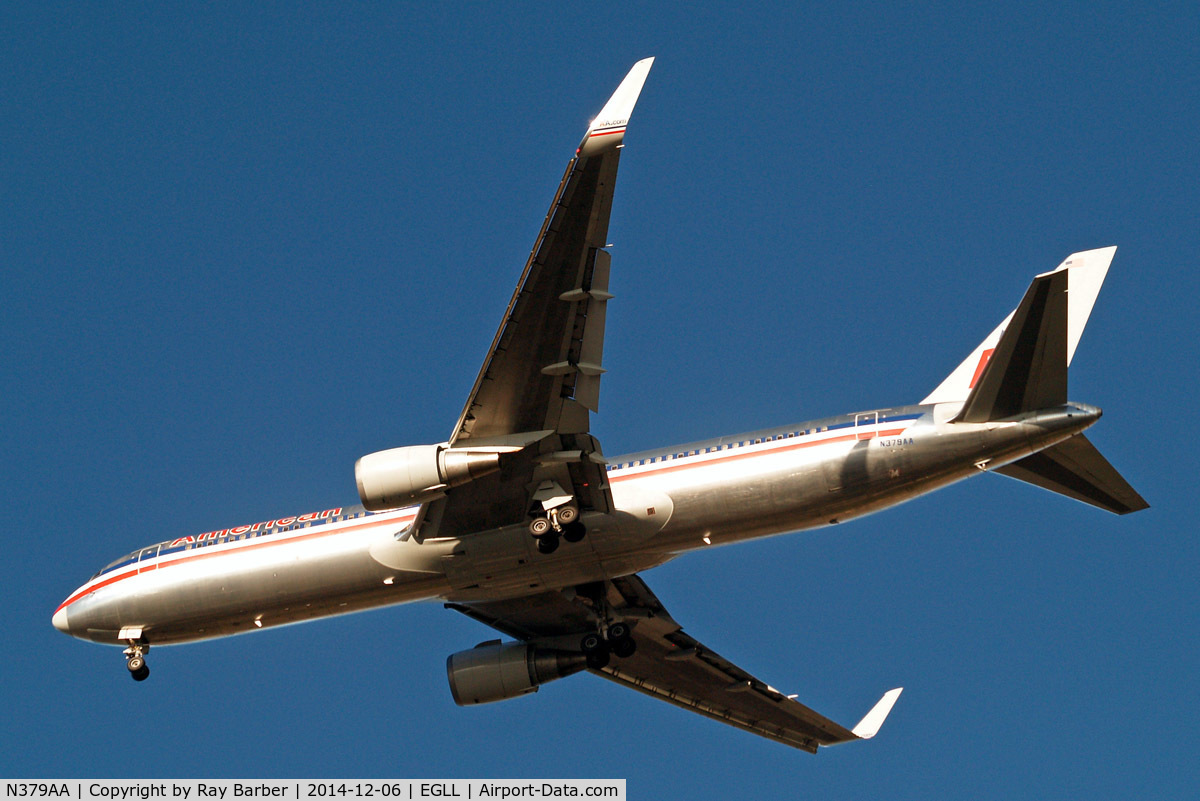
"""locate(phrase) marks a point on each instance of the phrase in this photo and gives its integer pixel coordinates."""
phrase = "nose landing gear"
(135, 660)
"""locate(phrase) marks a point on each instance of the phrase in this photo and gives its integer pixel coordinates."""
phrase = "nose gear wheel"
(135, 660)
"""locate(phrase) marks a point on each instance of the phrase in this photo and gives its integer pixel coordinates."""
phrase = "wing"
(541, 378)
(668, 664)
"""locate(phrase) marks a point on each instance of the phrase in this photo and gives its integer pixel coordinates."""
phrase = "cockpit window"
(127, 559)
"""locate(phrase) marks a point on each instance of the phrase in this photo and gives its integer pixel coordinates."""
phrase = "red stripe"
(606, 133)
(983, 360)
(190, 557)
(733, 457)
(367, 524)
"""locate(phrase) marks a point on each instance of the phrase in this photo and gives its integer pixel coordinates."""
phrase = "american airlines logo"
(266, 525)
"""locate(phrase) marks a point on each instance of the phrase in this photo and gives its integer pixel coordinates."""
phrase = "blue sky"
(242, 247)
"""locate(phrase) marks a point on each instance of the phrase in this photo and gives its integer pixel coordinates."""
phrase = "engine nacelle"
(494, 671)
(400, 476)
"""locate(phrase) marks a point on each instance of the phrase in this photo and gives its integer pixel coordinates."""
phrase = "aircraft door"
(852, 470)
(144, 559)
(864, 424)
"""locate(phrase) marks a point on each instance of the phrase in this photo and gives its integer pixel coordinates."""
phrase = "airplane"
(520, 522)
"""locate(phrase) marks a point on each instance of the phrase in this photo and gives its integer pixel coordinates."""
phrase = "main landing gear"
(562, 521)
(135, 660)
(598, 649)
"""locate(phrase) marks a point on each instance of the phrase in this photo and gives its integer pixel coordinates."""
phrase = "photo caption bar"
(310, 789)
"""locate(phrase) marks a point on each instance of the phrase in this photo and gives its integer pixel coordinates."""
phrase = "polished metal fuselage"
(668, 503)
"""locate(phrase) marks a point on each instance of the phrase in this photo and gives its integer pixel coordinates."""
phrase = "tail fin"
(1027, 370)
(1076, 469)
(1022, 367)
(1039, 348)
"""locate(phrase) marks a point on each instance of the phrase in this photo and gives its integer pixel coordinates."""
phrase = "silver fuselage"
(668, 502)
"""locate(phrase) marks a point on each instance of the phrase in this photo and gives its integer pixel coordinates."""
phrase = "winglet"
(608, 129)
(869, 726)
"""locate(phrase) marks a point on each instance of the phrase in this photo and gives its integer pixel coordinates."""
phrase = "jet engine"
(494, 671)
(399, 476)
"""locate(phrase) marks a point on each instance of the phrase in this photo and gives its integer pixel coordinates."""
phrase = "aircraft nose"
(60, 621)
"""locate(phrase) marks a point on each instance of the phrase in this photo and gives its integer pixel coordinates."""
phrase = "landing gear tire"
(138, 668)
(595, 651)
(539, 527)
(135, 659)
(620, 640)
(567, 515)
(624, 647)
(574, 531)
(598, 660)
(547, 543)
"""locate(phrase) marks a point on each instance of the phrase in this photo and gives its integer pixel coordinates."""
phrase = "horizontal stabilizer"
(1076, 469)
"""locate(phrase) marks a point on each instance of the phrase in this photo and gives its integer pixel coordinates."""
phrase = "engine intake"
(400, 476)
(494, 671)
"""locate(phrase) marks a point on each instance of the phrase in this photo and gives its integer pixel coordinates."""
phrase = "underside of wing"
(665, 662)
(542, 372)
(543, 369)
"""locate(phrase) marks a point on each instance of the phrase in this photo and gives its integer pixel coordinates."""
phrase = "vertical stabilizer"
(1085, 275)
(1028, 368)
